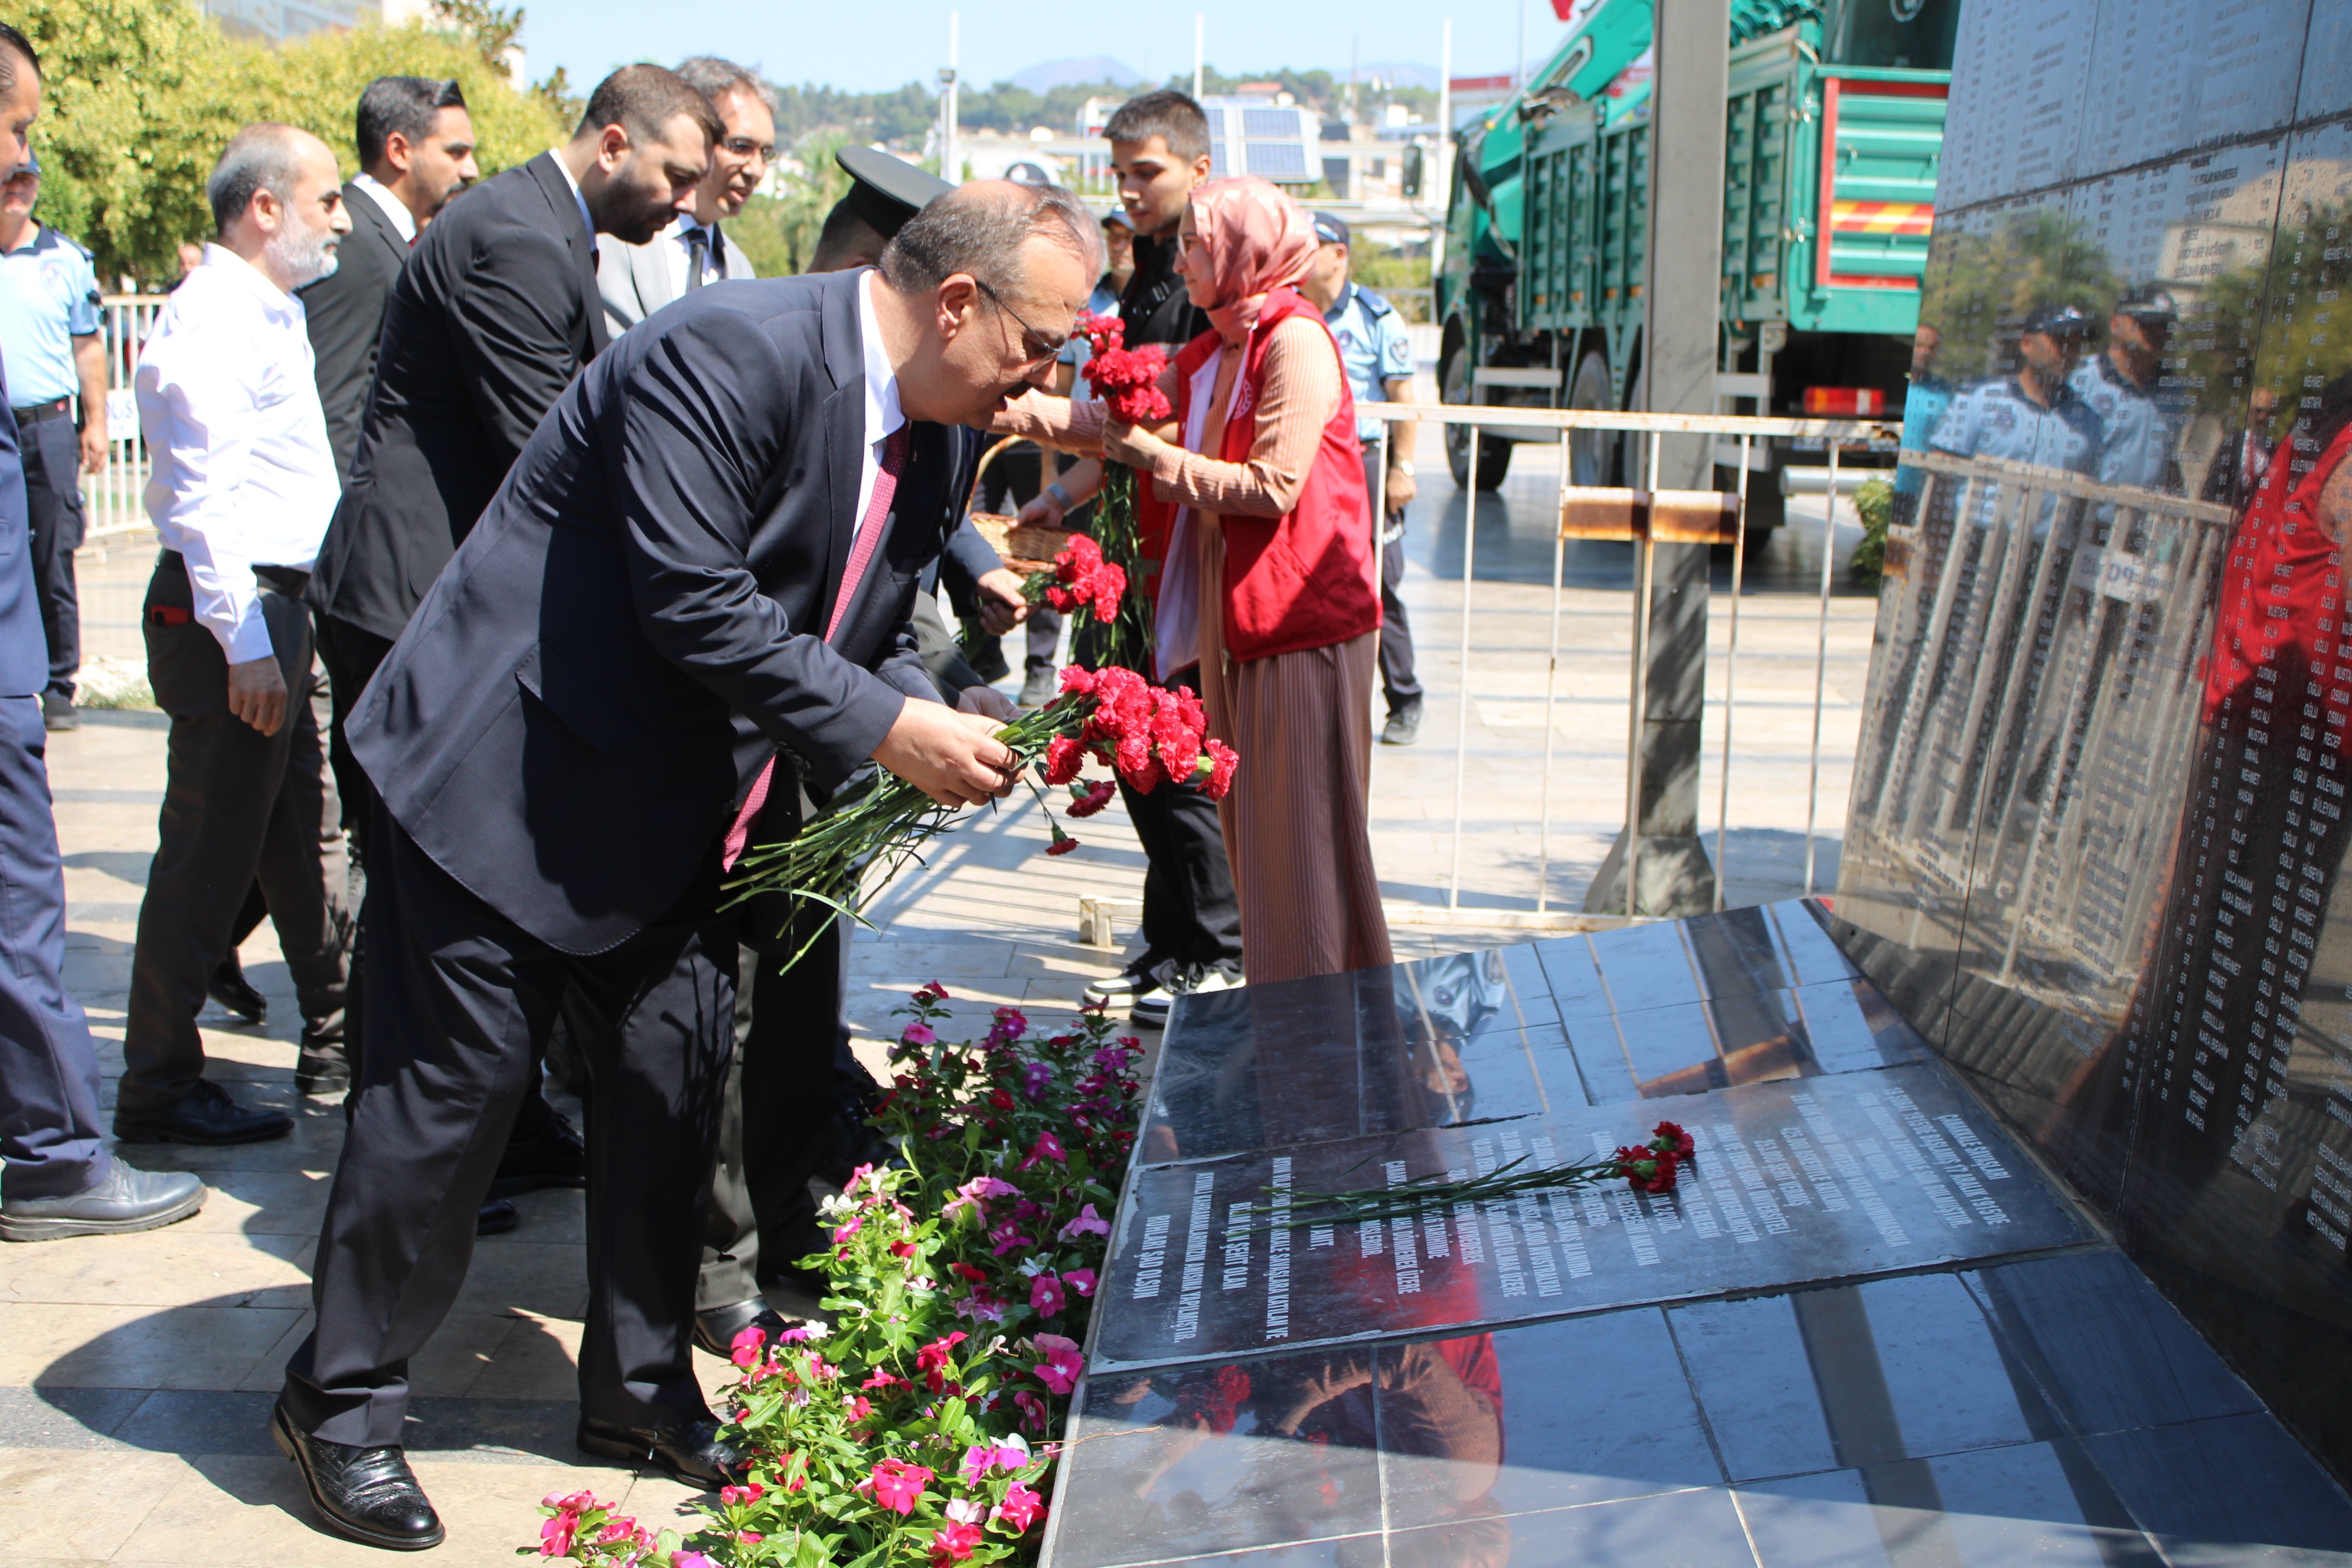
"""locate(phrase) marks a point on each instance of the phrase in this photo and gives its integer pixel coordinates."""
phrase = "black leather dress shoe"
(207, 1115)
(230, 988)
(496, 1217)
(715, 1330)
(558, 1157)
(367, 1494)
(691, 1453)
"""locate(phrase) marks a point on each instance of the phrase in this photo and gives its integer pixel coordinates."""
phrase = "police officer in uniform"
(1377, 352)
(2035, 415)
(2120, 386)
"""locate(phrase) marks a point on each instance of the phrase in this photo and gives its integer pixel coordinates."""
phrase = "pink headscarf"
(1257, 239)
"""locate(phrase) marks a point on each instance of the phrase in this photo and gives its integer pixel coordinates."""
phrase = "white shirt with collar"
(241, 474)
(882, 415)
(578, 196)
(675, 253)
(394, 210)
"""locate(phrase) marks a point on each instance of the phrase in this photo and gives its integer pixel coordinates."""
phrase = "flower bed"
(919, 1428)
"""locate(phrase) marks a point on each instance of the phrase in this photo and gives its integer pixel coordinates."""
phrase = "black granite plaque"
(1818, 1179)
(2094, 848)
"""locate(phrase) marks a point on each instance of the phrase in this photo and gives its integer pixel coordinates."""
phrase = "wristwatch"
(1400, 466)
(1061, 496)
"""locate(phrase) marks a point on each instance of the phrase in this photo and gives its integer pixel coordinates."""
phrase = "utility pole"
(1200, 50)
(1443, 198)
(951, 152)
(1682, 300)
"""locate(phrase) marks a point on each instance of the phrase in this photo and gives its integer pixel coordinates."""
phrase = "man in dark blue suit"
(690, 596)
(59, 1180)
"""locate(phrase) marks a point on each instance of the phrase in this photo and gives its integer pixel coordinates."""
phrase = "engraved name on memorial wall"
(2094, 844)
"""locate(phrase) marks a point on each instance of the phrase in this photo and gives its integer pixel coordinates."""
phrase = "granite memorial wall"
(2095, 847)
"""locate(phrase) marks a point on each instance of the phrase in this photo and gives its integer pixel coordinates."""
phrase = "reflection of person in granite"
(2120, 385)
(2205, 1051)
(1439, 1422)
(1926, 401)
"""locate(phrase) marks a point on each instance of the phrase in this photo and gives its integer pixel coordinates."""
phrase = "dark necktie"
(717, 251)
(698, 249)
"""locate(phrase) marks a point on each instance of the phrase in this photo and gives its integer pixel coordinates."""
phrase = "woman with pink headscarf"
(1271, 583)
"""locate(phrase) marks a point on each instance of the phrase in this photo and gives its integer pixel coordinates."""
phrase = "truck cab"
(1834, 124)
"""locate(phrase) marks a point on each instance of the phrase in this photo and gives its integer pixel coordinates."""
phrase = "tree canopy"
(140, 96)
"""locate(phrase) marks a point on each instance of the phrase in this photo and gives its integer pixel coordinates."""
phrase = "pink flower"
(1082, 1281)
(1059, 1371)
(897, 1485)
(1020, 1508)
(1087, 1222)
(1048, 1147)
(983, 1458)
(1033, 1409)
(1045, 1295)
(952, 1543)
(692, 1559)
(745, 1351)
(966, 1510)
(932, 1361)
(857, 1223)
(1222, 759)
(980, 1306)
(749, 1492)
(917, 1035)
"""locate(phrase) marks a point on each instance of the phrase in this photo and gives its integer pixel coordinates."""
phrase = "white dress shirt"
(883, 414)
(393, 207)
(241, 475)
(578, 196)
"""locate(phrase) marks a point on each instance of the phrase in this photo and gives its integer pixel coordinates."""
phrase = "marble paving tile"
(174, 1266)
(50, 1501)
(103, 1346)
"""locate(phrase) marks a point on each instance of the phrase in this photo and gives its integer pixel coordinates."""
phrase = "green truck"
(1835, 120)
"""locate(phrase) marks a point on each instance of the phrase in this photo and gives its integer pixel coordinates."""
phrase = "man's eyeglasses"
(744, 147)
(1036, 344)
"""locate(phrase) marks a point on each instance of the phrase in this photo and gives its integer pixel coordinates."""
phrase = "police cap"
(2148, 303)
(2059, 321)
(884, 191)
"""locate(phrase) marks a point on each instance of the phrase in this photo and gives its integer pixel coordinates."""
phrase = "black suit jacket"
(345, 315)
(635, 625)
(494, 315)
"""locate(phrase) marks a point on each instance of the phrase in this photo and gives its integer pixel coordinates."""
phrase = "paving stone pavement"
(136, 1371)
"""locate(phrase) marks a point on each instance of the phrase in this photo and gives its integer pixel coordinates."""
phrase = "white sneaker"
(1120, 990)
(1154, 1005)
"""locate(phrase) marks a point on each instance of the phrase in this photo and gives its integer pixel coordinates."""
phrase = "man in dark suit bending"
(691, 593)
(416, 144)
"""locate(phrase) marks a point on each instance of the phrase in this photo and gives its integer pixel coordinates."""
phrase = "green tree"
(141, 96)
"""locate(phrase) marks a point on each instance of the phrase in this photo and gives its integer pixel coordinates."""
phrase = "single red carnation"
(1061, 846)
(1064, 758)
(1224, 760)
(1093, 798)
(1670, 1137)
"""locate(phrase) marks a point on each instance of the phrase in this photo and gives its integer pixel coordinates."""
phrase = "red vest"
(1312, 578)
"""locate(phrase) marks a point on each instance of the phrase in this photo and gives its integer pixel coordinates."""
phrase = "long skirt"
(1296, 822)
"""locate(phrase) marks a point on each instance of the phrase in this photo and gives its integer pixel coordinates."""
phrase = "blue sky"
(862, 44)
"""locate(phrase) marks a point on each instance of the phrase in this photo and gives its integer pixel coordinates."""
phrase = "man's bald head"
(983, 229)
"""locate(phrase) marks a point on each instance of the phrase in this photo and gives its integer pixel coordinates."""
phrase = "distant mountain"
(1403, 72)
(1078, 73)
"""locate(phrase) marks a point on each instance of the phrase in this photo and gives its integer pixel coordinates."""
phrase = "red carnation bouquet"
(1127, 381)
(1653, 1168)
(1143, 733)
(1080, 579)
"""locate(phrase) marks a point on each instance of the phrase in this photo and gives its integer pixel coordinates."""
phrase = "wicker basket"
(1024, 549)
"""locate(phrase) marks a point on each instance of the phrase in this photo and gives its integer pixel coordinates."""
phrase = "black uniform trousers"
(1191, 913)
(239, 807)
(791, 1041)
(457, 994)
(51, 1142)
(1398, 682)
(52, 450)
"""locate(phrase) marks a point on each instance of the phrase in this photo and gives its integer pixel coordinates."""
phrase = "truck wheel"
(1766, 507)
(1593, 455)
(1494, 457)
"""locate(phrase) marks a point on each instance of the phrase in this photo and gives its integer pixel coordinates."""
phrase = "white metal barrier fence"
(111, 497)
(1646, 517)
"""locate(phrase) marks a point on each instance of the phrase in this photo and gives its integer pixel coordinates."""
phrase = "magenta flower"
(1045, 1295)
(897, 1485)
(745, 1351)
(1048, 1147)
(1020, 1508)
(917, 1035)
(1059, 1371)
(1082, 1281)
(1087, 1222)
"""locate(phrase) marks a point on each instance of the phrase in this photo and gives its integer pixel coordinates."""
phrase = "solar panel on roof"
(1277, 160)
(1257, 122)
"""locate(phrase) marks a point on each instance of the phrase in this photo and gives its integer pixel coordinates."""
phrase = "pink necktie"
(861, 552)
